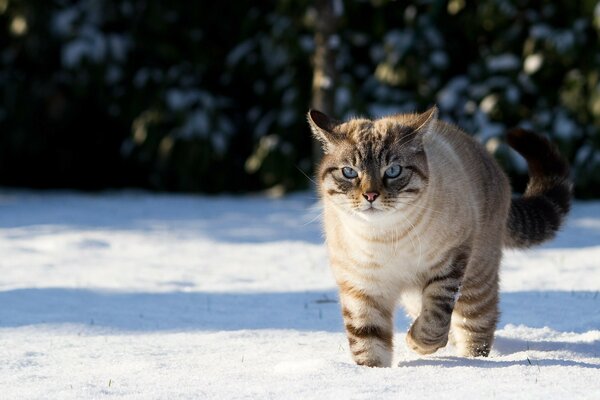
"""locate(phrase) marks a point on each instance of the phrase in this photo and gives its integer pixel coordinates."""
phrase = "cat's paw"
(372, 363)
(373, 357)
(423, 340)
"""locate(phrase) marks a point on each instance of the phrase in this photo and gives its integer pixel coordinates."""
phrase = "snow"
(533, 63)
(338, 8)
(489, 103)
(449, 96)
(133, 295)
(239, 52)
(439, 59)
(89, 44)
(541, 31)
(179, 99)
(63, 21)
(503, 62)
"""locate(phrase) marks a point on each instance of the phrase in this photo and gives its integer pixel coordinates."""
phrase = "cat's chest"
(401, 256)
(393, 258)
(395, 250)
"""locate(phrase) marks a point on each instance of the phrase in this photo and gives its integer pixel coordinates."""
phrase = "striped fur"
(431, 235)
(535, 217)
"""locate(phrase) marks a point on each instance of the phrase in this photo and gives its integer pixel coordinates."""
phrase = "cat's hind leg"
(476, 310)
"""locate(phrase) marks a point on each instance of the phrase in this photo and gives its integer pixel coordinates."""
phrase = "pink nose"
(371, 196)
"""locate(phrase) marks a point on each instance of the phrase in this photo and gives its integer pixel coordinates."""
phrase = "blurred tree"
(324, 19)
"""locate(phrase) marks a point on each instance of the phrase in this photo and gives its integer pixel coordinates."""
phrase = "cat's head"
(372, 168)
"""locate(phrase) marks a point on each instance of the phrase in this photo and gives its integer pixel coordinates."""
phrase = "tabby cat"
(417, 211)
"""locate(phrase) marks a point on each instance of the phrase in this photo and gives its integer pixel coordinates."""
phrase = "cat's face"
(373, 168)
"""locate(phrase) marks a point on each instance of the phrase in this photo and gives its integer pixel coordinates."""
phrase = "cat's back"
(464, 167)
(448, 144)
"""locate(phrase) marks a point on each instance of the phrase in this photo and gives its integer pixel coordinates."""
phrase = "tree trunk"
(324, 72)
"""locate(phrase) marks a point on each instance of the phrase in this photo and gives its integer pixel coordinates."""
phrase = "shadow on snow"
(306, 311)
(453, 362)
(574, 311)
(244, 219)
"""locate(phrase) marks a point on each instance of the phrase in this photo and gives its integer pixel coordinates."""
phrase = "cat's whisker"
(307, 177)
(413, 230)
(421, 207)
(396, 233)
(405, 140)
(313, 220)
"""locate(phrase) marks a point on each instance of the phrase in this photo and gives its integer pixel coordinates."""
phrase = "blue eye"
(393, 171)
(349, 173)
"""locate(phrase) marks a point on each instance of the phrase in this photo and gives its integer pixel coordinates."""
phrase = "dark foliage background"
(211, 96)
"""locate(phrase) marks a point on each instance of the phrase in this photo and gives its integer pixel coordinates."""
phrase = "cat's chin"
(372, 214)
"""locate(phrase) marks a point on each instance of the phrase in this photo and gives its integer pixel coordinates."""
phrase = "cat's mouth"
(371, 210)
(371, 213)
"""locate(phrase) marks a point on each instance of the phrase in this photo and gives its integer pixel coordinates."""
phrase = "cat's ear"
(323, 129)
(425, 121)
(422, 124)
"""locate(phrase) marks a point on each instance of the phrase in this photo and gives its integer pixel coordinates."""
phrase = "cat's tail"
(537, 215)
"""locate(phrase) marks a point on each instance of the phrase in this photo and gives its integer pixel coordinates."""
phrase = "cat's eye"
(349, 173)
(393, 172)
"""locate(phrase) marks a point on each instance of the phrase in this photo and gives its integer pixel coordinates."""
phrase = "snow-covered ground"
(131, 295)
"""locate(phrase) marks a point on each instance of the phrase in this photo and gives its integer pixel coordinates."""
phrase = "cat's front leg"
(368, 319)
(429, 332)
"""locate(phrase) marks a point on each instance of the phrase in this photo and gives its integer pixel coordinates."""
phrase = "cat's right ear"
(323, 129)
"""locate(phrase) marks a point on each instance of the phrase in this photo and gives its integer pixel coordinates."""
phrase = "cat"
(417, 211)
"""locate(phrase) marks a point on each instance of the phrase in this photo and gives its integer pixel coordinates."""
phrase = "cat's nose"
(371, 196)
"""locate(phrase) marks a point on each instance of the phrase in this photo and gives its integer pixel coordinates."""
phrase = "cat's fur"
(433, 237)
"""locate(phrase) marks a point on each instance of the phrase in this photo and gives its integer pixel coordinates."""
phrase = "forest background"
(199, 96)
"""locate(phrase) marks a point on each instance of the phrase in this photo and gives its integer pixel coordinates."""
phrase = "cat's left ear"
(323, 129)
(425, 121)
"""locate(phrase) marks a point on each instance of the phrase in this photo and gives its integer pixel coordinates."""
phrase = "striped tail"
(538, 214)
